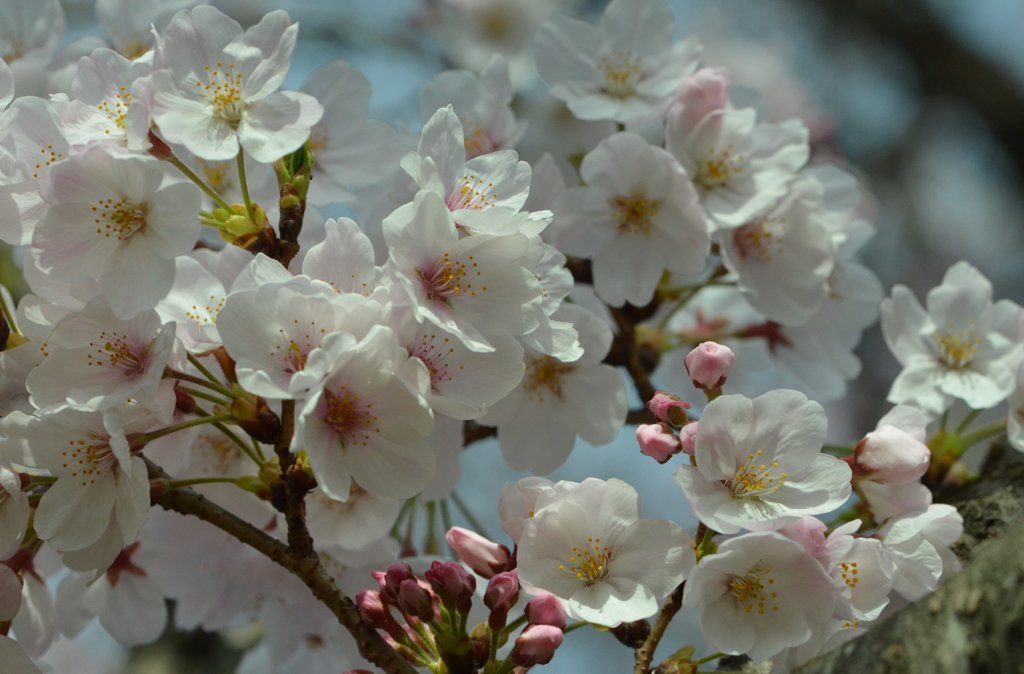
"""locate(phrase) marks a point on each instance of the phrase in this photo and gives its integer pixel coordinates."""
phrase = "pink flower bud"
(709, 365)
(702, 93)
(669, 408)
(890, 455)
(536, 645)
(657, 441)
(545, 609)
(688, 437)
(485, 557)
(392, 580)
(371, 608)
(453, 585)
(415, 600)
(501, 595)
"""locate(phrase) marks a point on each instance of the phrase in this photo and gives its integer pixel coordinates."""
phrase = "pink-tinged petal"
(195, 39)
(278, 124)
(907, 327)
(132, 507)
(654, 553)
(135, 278)
(442, 141)
(172, 224)
(613, 601)
(598, 416)
(135, 612)
(275, 36)
(538, 448)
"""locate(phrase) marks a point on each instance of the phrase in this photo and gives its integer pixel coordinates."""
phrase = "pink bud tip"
(688, 437)
(546, 609)
(709, 365)
(657, 441)
(536, 645)
(484, 556)
(668, 408)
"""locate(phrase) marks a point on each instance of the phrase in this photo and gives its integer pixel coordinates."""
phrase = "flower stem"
(983, 433)
(971, 416)
(191, 175)
(174, 428)
(244, 185)
(205, 396)
(713, 656)
(192, 379)
(203, 369)
(188, 482)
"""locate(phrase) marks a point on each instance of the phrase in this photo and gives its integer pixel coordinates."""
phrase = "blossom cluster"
(196, 327)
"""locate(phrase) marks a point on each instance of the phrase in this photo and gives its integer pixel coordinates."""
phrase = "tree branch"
(310, 571)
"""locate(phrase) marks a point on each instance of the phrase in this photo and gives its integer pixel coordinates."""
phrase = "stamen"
(634, 214)
(545, 374)
(590, 563)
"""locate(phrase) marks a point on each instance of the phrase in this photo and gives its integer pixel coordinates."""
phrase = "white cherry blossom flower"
(353, 523)
(113, 219)
(32, 32)
(219, 89)
(962, 347)
(344, 259)
(102, 490)
(483, 105)
(193, 304)
(759, 594)
(368, 421)
(626, 68)
(105, 106)
(351, 151)
(539, 420)
(638, 212)
(783, 258)
(740, 168)
(759, 461)
(96, 361)
(920, 545)
(128, 24)
(471, 286)
(592, 551)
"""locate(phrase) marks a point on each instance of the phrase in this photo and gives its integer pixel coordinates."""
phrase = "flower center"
(89, 458)
(15, 48)
(49, 157)
(956, 349)
(206, 314)
(115, 107)
(753, 590)
(621, 73)
(223, 88)
(758, 239)
(589, 563)
(718, 168)
(450, 278)
(546, 373)
(477, 141)
(119, 219)
(295, 346)
(472, 193)
(633, 214)
(434, 350)
(848, 572)
(140, 46)
(117, 352)
(350, 417)
(754, 479)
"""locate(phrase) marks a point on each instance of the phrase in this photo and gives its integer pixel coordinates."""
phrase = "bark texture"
(975, 622)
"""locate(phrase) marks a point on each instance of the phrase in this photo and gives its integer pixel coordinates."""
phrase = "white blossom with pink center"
(215, 87)
(760, 461)
(113, 219)
(470, 286)
(591, 550)
(275, 332)
(101, 497)
(637, 212)
(96, 361)
(625, 69)
(962, 347)
(556, 401)
(486, 193)
(369, 420)
(759, 594)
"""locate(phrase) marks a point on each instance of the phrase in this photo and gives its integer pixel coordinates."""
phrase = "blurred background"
(923, 99)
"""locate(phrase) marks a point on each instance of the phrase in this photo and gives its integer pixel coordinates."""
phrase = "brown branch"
(645, 653)
(626, 351)
(371, 645)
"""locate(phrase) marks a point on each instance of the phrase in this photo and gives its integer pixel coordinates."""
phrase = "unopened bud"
(415, 600)
(709, 365)
(392, 581)
(668, 408)
(890, 455)
(658, 441)
(371, 608)
(688, 437)
(453, 585)
(545, 609)
(501, 595)
(702, 93)
(536, 645)
(484, 556)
